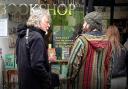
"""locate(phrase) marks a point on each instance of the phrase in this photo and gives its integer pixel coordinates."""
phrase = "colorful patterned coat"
(89, 64)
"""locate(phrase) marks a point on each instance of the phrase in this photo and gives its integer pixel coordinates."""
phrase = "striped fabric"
(89, 64)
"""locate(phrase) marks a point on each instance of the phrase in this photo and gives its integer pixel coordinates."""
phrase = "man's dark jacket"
(32, 59)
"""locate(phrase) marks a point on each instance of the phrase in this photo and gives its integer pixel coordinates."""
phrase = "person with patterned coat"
(89, 65)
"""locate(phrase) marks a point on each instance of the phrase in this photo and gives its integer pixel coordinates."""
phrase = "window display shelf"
(60, 62)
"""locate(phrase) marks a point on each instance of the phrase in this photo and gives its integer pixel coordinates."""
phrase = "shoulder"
(34, 32)
(126, 44)
(35, 35)
(81, 40)
(123, 49)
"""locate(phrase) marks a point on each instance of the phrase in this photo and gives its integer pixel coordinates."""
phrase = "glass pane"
(121, 12)
(121, 1)
(64, 28)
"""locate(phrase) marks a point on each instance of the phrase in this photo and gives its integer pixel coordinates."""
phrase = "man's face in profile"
(85, 27)
(45, 23)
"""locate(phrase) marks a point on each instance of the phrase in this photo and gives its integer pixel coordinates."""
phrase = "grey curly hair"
(36, 15)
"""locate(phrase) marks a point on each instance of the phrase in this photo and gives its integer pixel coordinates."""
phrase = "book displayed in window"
(51, 54)
(62, 41)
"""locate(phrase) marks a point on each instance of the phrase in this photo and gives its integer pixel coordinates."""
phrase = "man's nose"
(48, 25)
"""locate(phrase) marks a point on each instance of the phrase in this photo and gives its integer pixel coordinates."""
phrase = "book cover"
(9, 61)
(55, 68)
(65, 53)
(51, 54)
(62, 40)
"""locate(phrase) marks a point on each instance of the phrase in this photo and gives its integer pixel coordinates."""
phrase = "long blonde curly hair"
(114, 36)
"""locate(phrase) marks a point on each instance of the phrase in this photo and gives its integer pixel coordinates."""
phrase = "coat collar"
(32, 28)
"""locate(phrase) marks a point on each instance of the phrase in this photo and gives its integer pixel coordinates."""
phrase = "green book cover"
(9, 61)
(62, 37)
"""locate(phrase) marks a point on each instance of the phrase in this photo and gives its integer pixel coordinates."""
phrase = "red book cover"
(51, 54)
